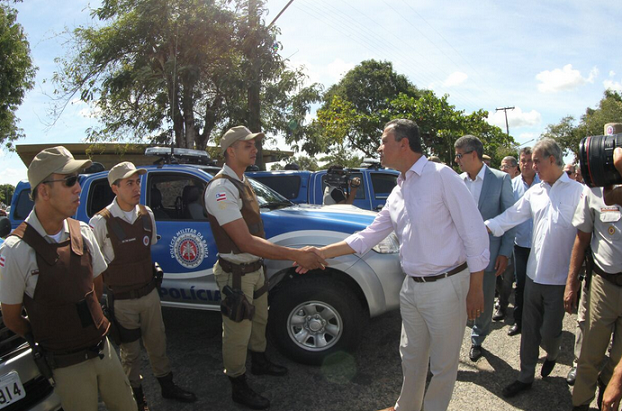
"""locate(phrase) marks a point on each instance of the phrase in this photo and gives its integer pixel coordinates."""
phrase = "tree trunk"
(254, 106)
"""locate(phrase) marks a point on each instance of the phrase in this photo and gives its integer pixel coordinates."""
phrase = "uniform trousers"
(144, 313)
(238, 337)
(604, 316)
(579, 331)
(543, 315)
(78, 385)
(433, 324)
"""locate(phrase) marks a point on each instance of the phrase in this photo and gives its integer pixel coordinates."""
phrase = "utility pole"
(505, 111)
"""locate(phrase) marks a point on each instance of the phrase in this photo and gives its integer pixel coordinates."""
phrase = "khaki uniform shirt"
(18, 262)
(605, 223)
(222, 200)
(100, 228)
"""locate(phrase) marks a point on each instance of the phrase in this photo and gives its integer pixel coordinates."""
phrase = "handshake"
(310, 258)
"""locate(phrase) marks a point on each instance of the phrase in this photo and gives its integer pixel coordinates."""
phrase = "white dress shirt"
(475, 186)
(552, 209)
(435, 219)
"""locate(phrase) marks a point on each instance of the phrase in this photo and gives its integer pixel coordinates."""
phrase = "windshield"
(267, 197)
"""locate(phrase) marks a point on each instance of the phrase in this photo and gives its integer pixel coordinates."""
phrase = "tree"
(568, 134)
(162, 67)
(6, 193)
(303, 162)
(17, 73)
(353, 119)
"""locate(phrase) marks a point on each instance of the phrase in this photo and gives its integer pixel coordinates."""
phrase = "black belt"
(137, 293)
(62, 360)
(432, 278)
(615, 279)
(239, 270)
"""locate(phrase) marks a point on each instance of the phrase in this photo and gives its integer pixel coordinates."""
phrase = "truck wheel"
(315, 316)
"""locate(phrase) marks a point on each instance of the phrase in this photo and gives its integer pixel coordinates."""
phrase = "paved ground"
(368, 380)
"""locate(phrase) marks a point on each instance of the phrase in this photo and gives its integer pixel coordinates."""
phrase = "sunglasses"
(68, 181)
(459, 156)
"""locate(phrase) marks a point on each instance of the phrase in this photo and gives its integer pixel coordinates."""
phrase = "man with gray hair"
(492, 191)
(510, 166)
(551, 204)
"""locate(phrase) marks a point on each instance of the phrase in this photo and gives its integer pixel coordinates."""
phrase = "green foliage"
(158, 67)
(568, 134)
(357, 108)
(304, 162)
(6, 193)
(16, 74)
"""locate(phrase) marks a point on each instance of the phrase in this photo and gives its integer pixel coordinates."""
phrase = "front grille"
(36, 390)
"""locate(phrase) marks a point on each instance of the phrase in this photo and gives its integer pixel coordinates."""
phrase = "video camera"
(596, 158)
(337, 176)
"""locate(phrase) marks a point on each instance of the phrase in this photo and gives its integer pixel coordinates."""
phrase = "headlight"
(389, 245)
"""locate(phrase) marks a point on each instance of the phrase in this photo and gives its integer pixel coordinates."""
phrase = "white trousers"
(433, 324)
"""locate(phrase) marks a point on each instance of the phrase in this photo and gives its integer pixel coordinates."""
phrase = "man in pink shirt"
(443, 251)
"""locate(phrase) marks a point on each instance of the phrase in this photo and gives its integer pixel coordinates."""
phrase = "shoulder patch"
(221, 196)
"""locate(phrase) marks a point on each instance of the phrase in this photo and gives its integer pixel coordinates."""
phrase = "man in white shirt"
(443, 251)
(492, 191)
(551, 204)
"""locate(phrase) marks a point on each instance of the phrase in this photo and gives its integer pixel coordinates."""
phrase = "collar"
(34, 222)
(116, 211)
(416, 168)
(480, 175)
(229, 171)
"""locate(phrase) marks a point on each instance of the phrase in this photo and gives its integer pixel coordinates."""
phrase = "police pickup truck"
(307, 187)
(311, 315)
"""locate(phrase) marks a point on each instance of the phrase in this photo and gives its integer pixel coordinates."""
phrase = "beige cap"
(53, 160)
(237, 133)
(486, 157)
(613, 128)
(123, 170)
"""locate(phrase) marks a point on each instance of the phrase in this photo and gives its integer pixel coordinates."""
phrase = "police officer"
(234, 217)
(599, 225)
(51, 265)
(125, 231)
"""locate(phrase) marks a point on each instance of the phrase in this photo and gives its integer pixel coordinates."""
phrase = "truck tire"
(314, 316)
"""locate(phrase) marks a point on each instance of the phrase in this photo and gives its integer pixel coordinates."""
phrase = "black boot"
(260, 365)
(174, 392)
(139, 396)
(243, 394)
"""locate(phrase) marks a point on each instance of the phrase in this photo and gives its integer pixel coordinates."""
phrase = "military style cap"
(613, 128)
(53, 160)
(237, 133)
(123, 170)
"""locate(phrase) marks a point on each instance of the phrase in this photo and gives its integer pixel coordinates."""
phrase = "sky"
(547, 59)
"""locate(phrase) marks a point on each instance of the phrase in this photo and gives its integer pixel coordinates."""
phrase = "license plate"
(11, 389)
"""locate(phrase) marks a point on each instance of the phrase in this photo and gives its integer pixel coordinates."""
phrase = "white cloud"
(13, 175)
(454, 79)
(516, 118)
(612, 73)
(612, 85)
(563, 79)
(327, 74)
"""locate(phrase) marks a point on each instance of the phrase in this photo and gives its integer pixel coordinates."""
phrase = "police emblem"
(188, 247)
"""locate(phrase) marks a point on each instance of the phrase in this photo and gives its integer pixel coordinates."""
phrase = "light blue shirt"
(525, 230)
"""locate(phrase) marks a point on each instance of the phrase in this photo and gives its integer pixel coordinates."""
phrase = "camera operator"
(334, 194)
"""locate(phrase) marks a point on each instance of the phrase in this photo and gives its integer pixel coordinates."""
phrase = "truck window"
(23, 206)
(360, 193)
(383, 184)
(287, 186)
(176, 196)
(100, 195)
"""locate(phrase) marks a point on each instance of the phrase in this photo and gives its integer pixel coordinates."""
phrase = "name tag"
(609, 215)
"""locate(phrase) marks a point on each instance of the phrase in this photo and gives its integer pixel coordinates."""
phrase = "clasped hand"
(310, 258)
